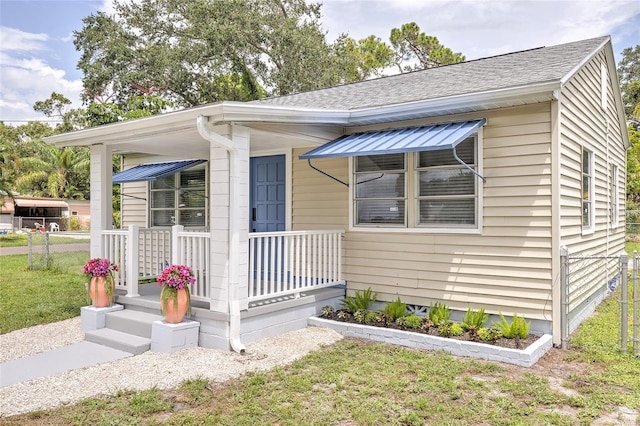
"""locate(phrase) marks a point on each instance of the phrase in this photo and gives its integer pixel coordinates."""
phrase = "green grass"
(20, 240)
(29, 298)
(630, 246)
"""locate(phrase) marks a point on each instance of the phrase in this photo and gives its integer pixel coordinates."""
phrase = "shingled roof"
(518, 69)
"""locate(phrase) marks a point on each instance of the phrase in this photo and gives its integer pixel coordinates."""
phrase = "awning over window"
(409, 139)
(30, 202)
(154, 171)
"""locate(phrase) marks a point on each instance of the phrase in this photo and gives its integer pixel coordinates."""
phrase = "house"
(81, 211)
(28, 213)
(457, 185)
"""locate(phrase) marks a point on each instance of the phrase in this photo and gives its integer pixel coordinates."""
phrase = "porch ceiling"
(264, 137)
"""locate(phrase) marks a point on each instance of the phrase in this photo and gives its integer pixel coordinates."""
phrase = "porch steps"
(126, 330)
(126, 342)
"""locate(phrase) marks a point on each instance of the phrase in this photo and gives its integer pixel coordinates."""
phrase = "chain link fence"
(48, 252)
(633, 224)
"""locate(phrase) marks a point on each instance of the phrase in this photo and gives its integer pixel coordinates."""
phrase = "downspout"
(234, 228)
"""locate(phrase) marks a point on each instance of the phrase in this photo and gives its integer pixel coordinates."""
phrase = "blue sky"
(37, 55)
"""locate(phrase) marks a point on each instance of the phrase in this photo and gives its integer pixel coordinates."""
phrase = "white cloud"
(25, 81)
(12, 39)
(480, 28)
(107, 7)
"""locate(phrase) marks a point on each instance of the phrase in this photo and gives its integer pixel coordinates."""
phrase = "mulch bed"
(433, 331)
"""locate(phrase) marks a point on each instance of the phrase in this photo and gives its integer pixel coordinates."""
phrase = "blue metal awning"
(408, 139)
(154, 171)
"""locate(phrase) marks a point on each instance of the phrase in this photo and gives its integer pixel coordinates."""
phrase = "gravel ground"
(144, 371)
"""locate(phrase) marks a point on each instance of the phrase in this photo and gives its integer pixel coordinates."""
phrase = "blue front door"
(267, 194)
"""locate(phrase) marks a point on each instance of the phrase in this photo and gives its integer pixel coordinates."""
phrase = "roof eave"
(225, 112)
(480, 101)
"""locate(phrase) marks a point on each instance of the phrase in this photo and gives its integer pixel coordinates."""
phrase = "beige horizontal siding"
(134, 210)
(583, 122)
(507, 268)
(317, 201)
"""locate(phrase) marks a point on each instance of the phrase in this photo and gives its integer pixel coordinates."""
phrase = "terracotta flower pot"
(175, 304)
(99, 291)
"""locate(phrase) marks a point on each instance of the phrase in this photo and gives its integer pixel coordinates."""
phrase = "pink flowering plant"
(172, 279)
(98, 267)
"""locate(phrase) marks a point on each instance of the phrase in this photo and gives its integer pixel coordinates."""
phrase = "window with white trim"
(588, 214)
(180, 199)
(614, 195)
(380, 192)
(444, 192)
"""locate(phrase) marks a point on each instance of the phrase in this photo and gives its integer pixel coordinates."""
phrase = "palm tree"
(50, 172)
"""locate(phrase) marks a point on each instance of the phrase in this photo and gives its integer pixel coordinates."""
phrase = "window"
(444, 192)
(447, 189)
(180, 199)
(380, 195)
(614, 195)
(587, 190)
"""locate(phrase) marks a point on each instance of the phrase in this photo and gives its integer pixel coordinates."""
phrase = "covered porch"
(249, 284)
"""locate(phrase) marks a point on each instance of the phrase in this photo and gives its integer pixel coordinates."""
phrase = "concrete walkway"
(78, 355)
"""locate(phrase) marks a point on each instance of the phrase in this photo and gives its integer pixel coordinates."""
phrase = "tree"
(204, 51)
(629, 76)
(364, 58)
(54, 172)
(57, 107)
(414, 50)
(633, 166)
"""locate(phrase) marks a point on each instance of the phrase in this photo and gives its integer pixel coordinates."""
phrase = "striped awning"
(392, 141)
(154, 171)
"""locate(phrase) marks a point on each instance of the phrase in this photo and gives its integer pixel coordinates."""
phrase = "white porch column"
(229, 282)
(101, 200)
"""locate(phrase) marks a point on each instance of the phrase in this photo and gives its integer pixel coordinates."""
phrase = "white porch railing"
(280, 263)
(284, 263)
(119, 247)
(193, 249)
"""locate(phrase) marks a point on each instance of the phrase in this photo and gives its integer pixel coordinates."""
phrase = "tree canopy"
(629, 76)
(415, 50)
(202, 51)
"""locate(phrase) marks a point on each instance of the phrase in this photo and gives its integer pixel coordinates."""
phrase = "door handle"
(253, 214)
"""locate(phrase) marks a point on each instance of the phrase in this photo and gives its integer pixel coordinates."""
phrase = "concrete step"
(132, 322)
(119, 340)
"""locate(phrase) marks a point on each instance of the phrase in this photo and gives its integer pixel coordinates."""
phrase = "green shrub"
(372, 317)
(360, 316)
(490, 334)
(449, 328)
(412, 321)
(362, 300)
(327, 312)
(474, 319)
(439, 313)
(517, 328)
(394, 310)
(343, 315)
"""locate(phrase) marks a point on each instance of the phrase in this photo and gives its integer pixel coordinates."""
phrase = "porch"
(292, 274)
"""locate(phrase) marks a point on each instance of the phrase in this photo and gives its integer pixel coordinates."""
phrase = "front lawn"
(29, 298)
